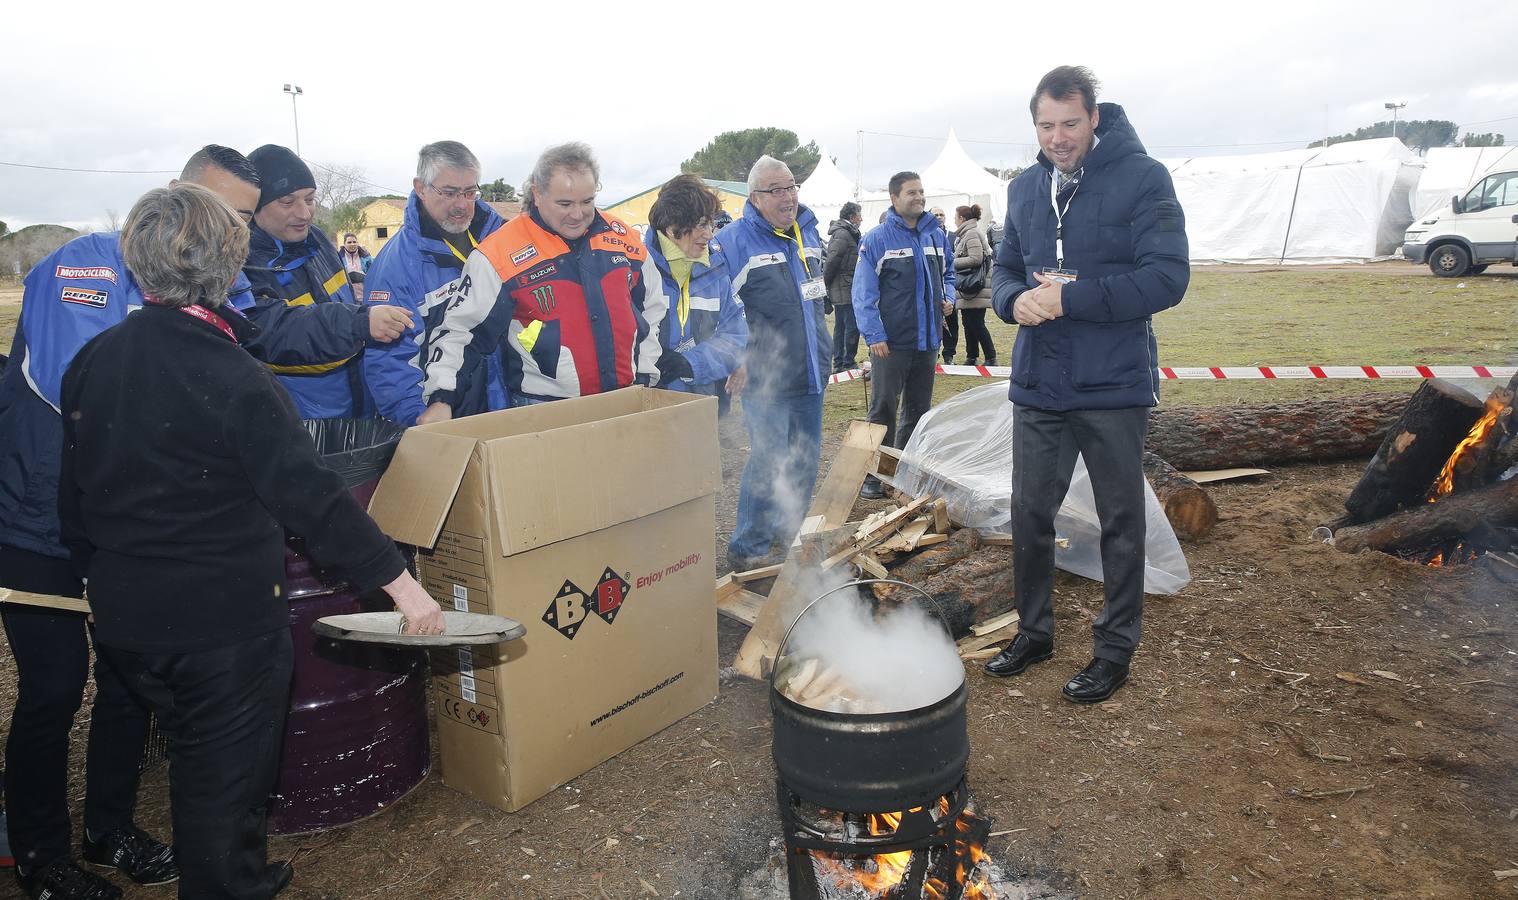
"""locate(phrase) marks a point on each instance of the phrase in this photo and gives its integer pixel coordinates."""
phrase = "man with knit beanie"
(313, 331)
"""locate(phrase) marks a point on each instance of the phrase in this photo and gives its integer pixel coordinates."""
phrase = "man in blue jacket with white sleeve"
(1095, 244)
(903, 288)
(418, 270)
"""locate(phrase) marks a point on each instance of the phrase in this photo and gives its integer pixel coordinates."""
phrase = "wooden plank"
(982, 653)
(994, 624)
(809, 525)
(758, 574)
(995, 540)
(1210, 475)
(941, 516)
(907, 539)
(869, 565)
(976, 642)
(929, 540)
(840, 489)
(742, 605)
(784, 603)
(889, 459)
(51, 601)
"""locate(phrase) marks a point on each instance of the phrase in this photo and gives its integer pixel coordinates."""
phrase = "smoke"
(897, 660)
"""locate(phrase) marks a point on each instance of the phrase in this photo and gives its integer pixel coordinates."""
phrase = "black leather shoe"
(63, 879)
(1018, 656)
(1099, 680)
(872, 490)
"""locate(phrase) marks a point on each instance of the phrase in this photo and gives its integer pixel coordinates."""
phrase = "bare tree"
(112, 220)
(337, 184)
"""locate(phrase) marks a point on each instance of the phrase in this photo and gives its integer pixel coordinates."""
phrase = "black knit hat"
(280, 172)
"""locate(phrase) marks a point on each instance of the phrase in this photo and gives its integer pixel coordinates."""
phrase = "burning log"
(1408, 460)
(1474, 461)
(1188, 507)
(1431, 523)
(1221, 437)
(930, 562)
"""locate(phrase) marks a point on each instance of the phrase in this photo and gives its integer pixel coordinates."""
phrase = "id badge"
(813, 290)
(1063, 276)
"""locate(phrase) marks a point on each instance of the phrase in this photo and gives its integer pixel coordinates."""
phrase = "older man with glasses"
(774, 256)
(418, 270)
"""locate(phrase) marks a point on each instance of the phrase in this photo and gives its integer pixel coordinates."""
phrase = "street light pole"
(1394, 107)
(294, 91)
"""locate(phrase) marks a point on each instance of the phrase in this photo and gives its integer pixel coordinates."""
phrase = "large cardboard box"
(591, 522)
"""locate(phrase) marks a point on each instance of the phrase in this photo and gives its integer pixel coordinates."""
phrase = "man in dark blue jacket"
(903, 288)
(1095, 244)
(418, 269)
(301, 295)
(774, 256)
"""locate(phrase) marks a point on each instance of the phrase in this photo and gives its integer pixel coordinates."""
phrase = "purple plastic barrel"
(356, 737)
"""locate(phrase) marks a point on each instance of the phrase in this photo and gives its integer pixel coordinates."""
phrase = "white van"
(1479, 228)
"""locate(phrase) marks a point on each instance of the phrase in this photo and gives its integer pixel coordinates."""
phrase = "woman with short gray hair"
(184, 465)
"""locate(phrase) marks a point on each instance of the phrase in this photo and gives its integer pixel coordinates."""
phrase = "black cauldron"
(875, 762)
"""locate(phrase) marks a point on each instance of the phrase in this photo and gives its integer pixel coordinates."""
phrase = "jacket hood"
(430, 234)
(843, 225)
(755, 219)
(1118, 139)
(266, 250)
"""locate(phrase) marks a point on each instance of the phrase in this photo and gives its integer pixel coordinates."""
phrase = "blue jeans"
(784, 448)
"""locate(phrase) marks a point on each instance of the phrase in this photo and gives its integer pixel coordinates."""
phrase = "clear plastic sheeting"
(357, 449)
(962, 452)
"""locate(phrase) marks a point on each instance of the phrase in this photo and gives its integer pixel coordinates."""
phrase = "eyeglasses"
(779, 191)
(471, 193)
(704, 225)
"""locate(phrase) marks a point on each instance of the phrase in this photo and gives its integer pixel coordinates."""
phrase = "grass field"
(1384, 314)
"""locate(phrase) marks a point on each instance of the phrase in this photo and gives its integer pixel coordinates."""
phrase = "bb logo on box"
(571, 605)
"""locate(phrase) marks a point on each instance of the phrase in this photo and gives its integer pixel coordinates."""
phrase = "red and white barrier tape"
(1247, 373)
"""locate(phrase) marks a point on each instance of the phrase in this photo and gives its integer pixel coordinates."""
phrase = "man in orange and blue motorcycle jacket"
(563, 282)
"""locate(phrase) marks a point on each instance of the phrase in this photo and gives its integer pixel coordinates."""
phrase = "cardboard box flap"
(417, 490)
(577, 478)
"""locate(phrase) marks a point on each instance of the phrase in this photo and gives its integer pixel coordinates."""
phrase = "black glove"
(827, 307)
(673, 365)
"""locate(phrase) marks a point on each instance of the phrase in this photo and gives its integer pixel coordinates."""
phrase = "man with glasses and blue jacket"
(903, 288)
(418, 270)
(774, 256)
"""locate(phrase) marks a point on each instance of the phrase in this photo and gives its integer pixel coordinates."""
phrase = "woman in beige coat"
(972, 255)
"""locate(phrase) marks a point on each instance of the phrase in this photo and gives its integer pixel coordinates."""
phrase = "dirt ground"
(1255, 752)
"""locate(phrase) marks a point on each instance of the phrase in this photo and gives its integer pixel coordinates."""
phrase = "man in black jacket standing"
(838, 275)
(1095, 244)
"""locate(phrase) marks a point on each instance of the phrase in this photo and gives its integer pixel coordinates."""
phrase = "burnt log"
(1188, 507)
(932, 560)
(972, 590)
(1415, 449)
(1224, 437)
(1428, 524)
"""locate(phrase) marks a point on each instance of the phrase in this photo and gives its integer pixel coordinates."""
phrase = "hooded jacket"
(714, 333)
(971, 253)
(77, 292)
(418, 271)
(1125, 236)
(301, 294)
(790, 351)
(575, 315)
(842, 256)
(903, 277)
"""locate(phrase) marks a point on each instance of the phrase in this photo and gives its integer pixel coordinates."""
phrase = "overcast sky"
(95, 85)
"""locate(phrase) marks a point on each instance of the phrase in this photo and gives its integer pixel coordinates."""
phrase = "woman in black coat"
(184, 464)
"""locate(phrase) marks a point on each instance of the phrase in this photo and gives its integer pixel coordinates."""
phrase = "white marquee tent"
(1350, 202)
(827, 189)
(955, 172)
(1450, 170)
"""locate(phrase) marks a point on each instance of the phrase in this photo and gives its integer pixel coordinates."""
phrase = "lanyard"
(455, 251)
(1059, 214)
(203, 314)
(683, 310)
(800, 247)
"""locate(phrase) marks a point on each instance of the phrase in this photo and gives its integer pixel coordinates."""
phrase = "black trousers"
(52, 654)
(224, 713)
(978, 344)
(845, 338)
(901, 382)
(1044, 447)
(950, 335)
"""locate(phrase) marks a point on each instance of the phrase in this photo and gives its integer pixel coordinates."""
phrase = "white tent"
(1450, 170)
(825, 191)
(1349, 202)
(954, 172)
